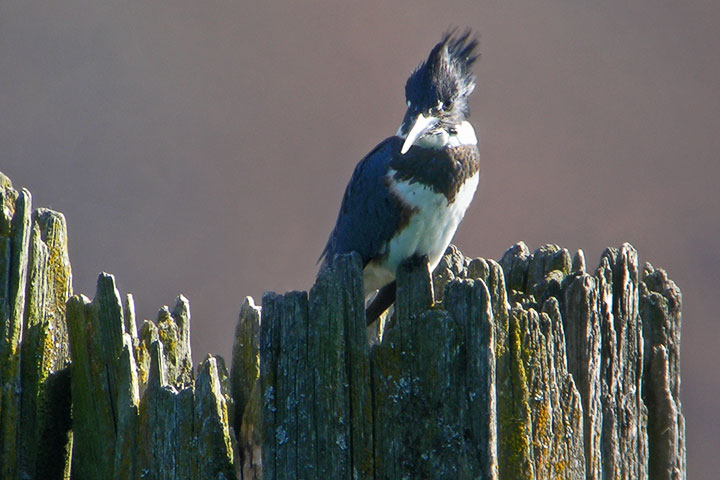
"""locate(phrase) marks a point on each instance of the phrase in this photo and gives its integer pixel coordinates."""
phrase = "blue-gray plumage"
(369, 215)
(407, 196)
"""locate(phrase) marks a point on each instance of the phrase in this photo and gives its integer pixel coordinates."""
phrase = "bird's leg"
(382, 301)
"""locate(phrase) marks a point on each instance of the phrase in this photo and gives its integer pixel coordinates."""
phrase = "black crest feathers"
(445, 79)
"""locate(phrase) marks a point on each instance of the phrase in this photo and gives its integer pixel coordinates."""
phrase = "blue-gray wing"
(369, 215)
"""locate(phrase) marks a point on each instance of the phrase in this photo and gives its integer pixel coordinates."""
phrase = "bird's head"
(437, 94)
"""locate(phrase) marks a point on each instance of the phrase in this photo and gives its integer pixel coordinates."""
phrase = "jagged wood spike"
(244, 376)
(544, 260)
(128, 404)
(129, 316)
(15, 229)
(430, 386)
(338, 342)
(660, 307)
(514, 427)
(93, 416)
(327, 344)
(215, 455)
(394, 373)
(251, 435)
(569, 460)
(165, 428)
(45, 349)
(173, 329)
(147, 334)
(349, 273)
(414, 289)
(632, 413)
(553, 401)
(286, 381)
(468, 302)
(105, 386)
(515, 265)
(245, 359)
(582, 332)
(451, 266)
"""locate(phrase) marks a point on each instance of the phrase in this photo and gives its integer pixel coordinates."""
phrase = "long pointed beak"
(422, 124)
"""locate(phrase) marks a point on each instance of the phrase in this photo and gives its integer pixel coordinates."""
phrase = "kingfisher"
(407, 197)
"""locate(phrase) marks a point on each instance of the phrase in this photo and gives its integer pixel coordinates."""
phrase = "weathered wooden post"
(178, 428)
(530, 367)
(544, 377)
(35, 282)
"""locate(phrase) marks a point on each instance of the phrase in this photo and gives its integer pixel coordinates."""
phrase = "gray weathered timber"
(338, 338)
(245, 361)
(660, 307)
(246, 419)
(309, 345)
(433, 383)
(529, 367)
(545, 378)
(582, 334)
(178, 428)
(605, 331)
(35, 280)
(14, 246)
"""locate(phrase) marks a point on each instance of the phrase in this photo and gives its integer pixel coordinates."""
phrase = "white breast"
(429, 231)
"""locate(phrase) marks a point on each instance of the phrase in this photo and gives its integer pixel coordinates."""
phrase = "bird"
(406, 198)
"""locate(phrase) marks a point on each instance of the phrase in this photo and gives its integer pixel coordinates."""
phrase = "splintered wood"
(530, 367)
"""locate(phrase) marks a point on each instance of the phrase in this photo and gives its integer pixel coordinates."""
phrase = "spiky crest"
(445, 80)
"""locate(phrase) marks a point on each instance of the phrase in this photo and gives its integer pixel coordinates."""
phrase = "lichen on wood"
(531, 366)
(36, 280)
(177, 428)
(545, 378)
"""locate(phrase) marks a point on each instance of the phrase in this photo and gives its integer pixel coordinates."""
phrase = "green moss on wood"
(457, 364)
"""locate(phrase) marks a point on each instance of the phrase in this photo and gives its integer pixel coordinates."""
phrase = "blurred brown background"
(203, 147)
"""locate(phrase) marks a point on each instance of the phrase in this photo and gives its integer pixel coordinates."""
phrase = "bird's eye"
(452, 131)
